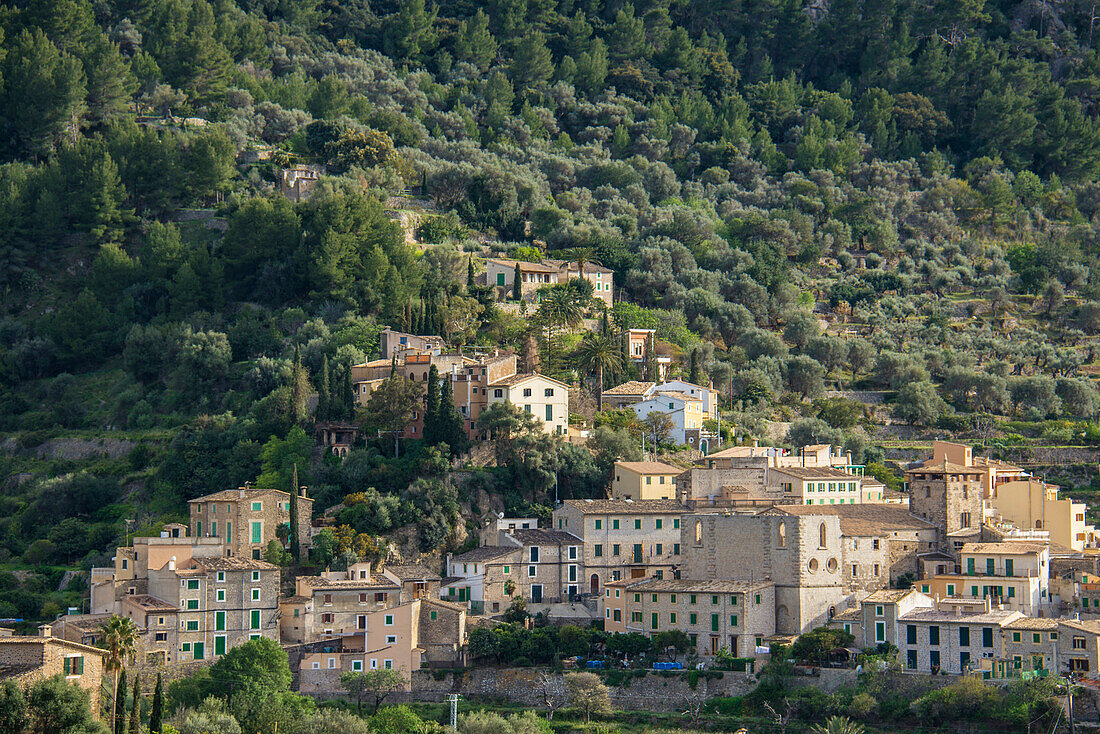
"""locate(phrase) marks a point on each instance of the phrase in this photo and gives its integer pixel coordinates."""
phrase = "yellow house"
(644, 480)
(1034, 505)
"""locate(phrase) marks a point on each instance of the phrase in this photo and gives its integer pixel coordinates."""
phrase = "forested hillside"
(897, 196)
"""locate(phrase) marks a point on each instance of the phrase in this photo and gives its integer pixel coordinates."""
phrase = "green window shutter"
(693, 618)
(68, 666)
(654, 621)
(219, 645)
(255, 620)
(714, 623)
(256, 532)
(733, 620)
(219, 620)
(549, 412)
(500, 278)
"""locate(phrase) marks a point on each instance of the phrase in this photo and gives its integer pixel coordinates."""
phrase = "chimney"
(302, 491)
(172, 563)
(755, 443)
(45, 630)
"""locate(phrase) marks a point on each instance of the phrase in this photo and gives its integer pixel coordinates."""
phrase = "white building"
(543, 397)
(685, 411)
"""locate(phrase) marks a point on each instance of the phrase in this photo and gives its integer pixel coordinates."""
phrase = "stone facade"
(623, 539)
(222, 603)
(247, 519)
(801, 555)
(949, 496)
(29, 659)
(716, 615)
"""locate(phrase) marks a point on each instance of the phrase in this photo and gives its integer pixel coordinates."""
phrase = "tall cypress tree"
(156, 712)
(517, 287)
(451, 429)
(693, 369)
(292, 538)
(120, 704)
(135, 707)
(324, 393)
(470, 273)
(347, 390)
(431, 408)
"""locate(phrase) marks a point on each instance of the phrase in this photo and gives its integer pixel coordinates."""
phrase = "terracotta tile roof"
(484, 553)
(649, 467)
(150, 603)
(1033, 623)
(411, 571)
(848, 615)
(517, 379)
(674, 395)
(993, 616)
(449, 605)
(627, 507)
(634, 387)
(242, 493)
(376, 581)
(888, 596)
(863, 519)
(221, 563)
(1009, 548)
(703, 586)
(532, 536)
(525, 266)
(810, 472)
(940, 467)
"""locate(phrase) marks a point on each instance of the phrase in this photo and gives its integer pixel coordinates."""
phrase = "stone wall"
(526, 686)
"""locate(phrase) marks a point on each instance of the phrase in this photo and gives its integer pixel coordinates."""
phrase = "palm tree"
(119, 638)
(558, 307)
(598, 352)
(839, 725)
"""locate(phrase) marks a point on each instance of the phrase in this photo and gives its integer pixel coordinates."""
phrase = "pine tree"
(292, 538)
(475, 43)
(120, 704)
(135, 708)
(532, 64)
(517, 287)
(156, 712)
(431, 408)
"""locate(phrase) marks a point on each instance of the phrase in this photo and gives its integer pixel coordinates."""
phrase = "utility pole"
(453, 699)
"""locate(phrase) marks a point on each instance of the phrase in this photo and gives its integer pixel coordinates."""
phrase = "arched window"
(782, 535)
(698, 532)
(1038, 524)
(821, 536)
(927, 491)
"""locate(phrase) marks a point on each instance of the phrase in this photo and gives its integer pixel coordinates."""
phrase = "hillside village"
(538, 366)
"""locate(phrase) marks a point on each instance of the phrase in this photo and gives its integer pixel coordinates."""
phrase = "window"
(192, 604)
(933, 635)
(911, 660)
(821, 532)
(659, 548)
(693, 618)
(653, 621)
(255, 595)
(659, 523)
(964, 637)
(219, 621)
(675, 523)
(257, 506)
(255, 575)
(572, 552)
(598, 551)
(1036, 638)
(192, 585)
(637, 524)
(714, 623)
(192, 625)
(388, 621)
(675, 549)
(1078, 643)
(614, 524)
(532, 571)
(615, 549)
(534, 554)
(880, 632)
(257, 531)
(74, 665)
(987, 637)
(356, 665)
(549, 412)
(599, 524)
(499, 393)
(433, 615)
(391, 639)
(221, 577)
(507, 569)
(254, 619)
(733, 620)
(910, 634)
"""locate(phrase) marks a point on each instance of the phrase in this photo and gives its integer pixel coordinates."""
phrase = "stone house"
(221, 602)
(950, 639)
(398, 343)
(1029, 643)
(736, 616)
(625, 395)
(623, 539)
(29, 659)
(950, 496)
(500, 273)
(815, 485)
(683, 410)
(875, 620)
(538, 565)
(159, 625)
(1078, 649)
(882, 542)
(247, 519)
(801, 555)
